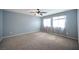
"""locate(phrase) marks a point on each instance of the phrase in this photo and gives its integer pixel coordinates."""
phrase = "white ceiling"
(27, 11)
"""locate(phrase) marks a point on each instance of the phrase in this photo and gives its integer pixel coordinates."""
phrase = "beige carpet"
(38, 41)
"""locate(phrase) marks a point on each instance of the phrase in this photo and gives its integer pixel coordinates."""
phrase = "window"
(59, 22)
(47, 22)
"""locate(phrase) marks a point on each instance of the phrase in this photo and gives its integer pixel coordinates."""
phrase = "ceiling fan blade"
(43, 12)
(32, 12)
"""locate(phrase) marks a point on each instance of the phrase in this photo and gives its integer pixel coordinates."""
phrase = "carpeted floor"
(38, 41)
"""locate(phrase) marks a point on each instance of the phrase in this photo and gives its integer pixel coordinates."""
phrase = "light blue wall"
(71, 22)
(16, 23)
(1, 23)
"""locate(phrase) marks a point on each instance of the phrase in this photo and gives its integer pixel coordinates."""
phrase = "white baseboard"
(65, 36)
(18, 34)
(34, 32)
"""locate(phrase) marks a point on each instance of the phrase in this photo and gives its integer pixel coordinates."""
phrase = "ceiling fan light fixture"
(38, 14)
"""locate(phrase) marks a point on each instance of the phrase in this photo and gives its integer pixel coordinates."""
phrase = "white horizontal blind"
(47, 22)
(59, 22)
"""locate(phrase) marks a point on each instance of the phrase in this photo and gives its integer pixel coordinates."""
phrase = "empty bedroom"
(38, 29)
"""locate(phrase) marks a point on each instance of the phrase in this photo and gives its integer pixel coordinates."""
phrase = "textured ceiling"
(27, 11)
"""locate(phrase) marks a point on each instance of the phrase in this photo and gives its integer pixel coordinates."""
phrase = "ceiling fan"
(38, 12)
